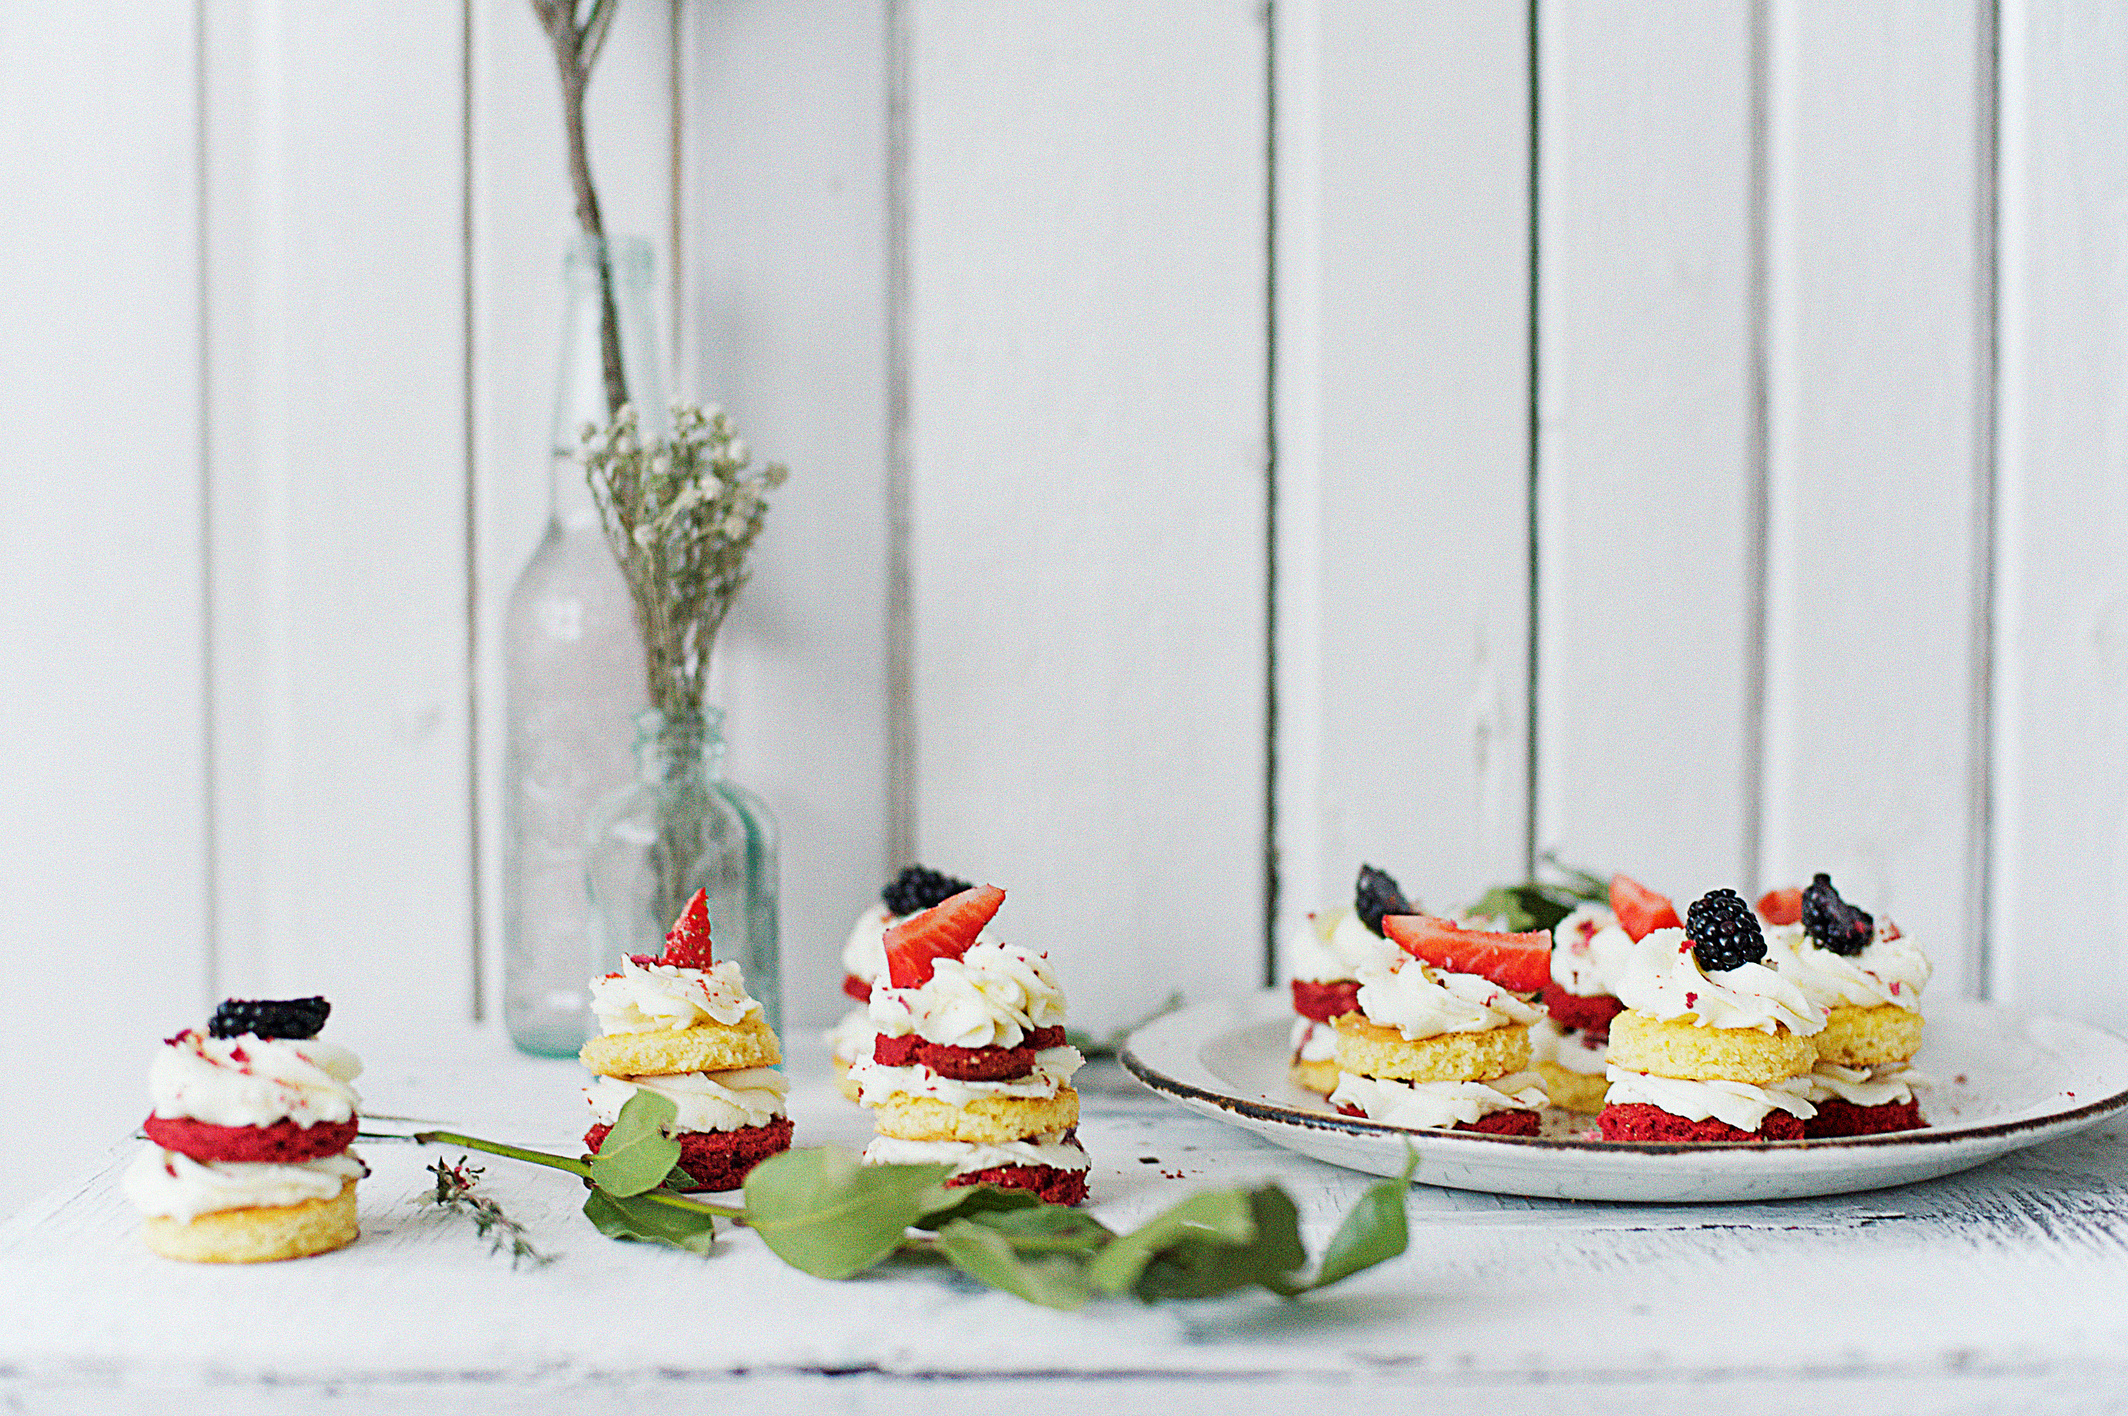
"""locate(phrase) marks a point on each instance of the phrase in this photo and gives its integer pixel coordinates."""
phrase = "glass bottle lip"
(629, 257)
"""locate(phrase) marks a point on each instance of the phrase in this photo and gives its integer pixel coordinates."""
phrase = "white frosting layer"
(1589, 952)
(253, 1081)
(865, 955)
(1891, 969)
(707, 1101)
(1569, 1051)
(1865, 1086)
(1053, 1067)
(1419, 1000)
(1310, 1041)
(1438, 1104)
(851, 1038)
(172, 1185)
(1308, 956)
(967, 1157)
(992, 996)
(1663, 977)
(1740, 1104)
(653, 997)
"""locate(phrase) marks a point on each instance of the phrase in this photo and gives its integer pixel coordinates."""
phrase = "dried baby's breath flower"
(454, 1191)
(681, 517)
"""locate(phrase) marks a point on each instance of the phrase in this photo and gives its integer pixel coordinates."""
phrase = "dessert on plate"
(1325, 956)
(969, 1066)
(864, 959)
(1440, 1038)
(1713, 1044)
(1570, 1046)
(1868, 978)
(247, 1158)
(682, 1025)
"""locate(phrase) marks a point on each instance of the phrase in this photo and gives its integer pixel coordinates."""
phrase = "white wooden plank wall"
(1086, 200)
(1646, 463)
(2061, 841)
(1403, 447)
(1877, 456)
(1768, 280)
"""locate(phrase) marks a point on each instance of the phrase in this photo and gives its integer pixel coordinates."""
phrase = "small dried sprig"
(681, 517)
(454, 1191)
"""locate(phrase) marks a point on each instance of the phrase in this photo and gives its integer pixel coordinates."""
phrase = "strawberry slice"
(1522, 962)
(1782, 906)
(942, 932)
(1640, 910)
(687, 944)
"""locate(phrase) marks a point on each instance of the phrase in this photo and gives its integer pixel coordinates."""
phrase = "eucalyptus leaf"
(970, 1200)
(1051, 1280)
(637, 1155)
(1204, 1264)
(644, 1220)
(827, 1214)
(1374, 1229)
(1221, 1215)
(1054, 1227)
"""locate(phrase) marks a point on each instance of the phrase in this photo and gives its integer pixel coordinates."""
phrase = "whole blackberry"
(1724, 932)
(269, 1017)
(1832, 922)
(1376, 894)
(917, 889)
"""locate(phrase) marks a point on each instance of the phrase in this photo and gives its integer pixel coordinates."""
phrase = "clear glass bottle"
(678, 828)
(573, 667)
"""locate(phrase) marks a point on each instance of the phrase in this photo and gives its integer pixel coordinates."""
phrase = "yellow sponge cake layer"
(258, 1235)
(1319, 1076)
(1572, 1091)
(986, 1118)
(1680, 1048)
(669, 1051)
(1869, 1037)
(1371, 1050)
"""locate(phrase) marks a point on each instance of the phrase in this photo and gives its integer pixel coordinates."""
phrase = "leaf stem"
(532, 1157)
(674, 1200)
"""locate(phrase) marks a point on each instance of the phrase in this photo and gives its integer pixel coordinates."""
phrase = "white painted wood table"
(2003, 1288)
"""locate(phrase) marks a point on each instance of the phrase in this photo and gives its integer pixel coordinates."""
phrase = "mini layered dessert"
(969, 1066)
(1868, 978)
(683, 1025)
(247, 1158)
(1441, 1038)
(864, 959)
(1570, 1046)
(1713, 1045)
(1326, 955)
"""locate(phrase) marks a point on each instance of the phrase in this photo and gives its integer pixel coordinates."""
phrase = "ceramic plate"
(2003, 1080)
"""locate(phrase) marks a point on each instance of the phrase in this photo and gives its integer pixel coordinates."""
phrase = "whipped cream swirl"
(1438, 1104)
(1663, 977)
(1332, 947)
(1056, 1149)
(253, 1081)
(173, 1185)
(1568, 1051)
(707, 1101)
(992, 996)
(1739, 1104)
(1891, 969)
(1419, 1000)
(1589, 952)
(1865, 1086)
(1053, 1067)
(1310, 1041)
(656, 997)
(865, 955)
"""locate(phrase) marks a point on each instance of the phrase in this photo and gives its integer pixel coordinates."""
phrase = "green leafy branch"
(826, 1213)
(1541, 904)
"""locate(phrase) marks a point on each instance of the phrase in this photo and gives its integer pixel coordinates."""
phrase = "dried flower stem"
(454, 1191)
(576, 48)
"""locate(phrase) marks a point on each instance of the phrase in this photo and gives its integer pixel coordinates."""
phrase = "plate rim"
(1189, 1093)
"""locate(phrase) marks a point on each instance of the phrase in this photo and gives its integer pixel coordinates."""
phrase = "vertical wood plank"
(2061, 819)
(1877, 322)
(102, 733)
(1087, 247)
(523, 220)
(338, 483)
(1646, 479)
(1403, 446)
(785, 203)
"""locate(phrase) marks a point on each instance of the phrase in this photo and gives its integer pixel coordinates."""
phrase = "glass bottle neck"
(602, 352)
(666, 750)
